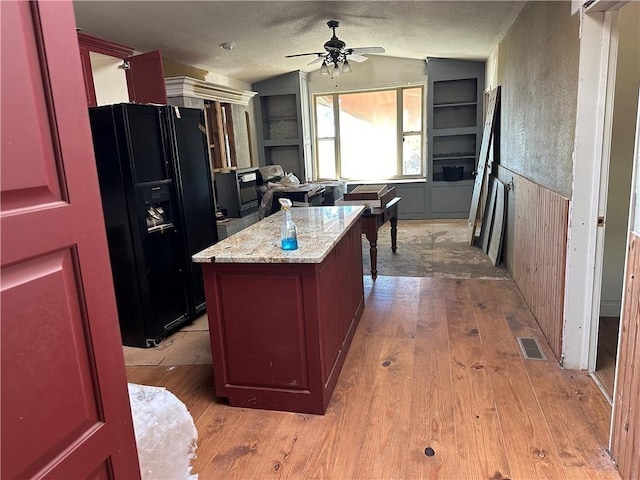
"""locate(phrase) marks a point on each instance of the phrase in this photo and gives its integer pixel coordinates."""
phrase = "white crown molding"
(194, 88)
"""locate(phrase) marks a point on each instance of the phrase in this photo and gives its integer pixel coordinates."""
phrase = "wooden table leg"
(370, 230)
(373, 254)
(394, 232)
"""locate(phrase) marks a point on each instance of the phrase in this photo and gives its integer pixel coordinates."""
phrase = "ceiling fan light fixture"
(334, 57)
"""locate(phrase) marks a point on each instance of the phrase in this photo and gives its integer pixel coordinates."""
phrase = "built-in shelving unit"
(283, 123)
(454, 116)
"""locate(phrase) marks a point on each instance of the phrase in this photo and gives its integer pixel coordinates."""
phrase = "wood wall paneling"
(539, 266)
(625, 441)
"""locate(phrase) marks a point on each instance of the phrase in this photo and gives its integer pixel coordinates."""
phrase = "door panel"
(44, 291)
(145, 78)
(37, 181)
(164, 263)
(196, 195)
(148, 145)
(65, 411)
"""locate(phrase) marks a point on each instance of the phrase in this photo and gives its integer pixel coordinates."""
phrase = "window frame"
(400, 132)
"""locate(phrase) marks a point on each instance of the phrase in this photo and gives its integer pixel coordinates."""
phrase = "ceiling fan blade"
(362, 50)
(303, 54)
(357, 58)
(319, 59)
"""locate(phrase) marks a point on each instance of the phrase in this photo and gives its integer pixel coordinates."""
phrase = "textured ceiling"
(265, 31)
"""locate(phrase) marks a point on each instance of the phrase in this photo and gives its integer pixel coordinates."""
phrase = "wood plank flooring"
(434, 387)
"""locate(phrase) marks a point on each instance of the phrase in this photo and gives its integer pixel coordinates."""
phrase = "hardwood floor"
(434, 386)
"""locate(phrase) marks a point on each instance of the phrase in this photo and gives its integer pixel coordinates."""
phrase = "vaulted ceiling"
(263, 32)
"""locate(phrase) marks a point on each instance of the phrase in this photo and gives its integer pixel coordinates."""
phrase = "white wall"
(224, 81)
(491, 70)
(109, 81)
(635, 199)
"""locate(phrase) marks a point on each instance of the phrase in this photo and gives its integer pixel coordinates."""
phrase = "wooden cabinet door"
(65, 409)
(145, 78)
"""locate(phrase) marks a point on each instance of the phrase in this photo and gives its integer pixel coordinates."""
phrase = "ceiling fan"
(337, 54)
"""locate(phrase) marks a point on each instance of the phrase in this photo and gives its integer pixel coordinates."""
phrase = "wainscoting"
(540, 243)
(625, 444)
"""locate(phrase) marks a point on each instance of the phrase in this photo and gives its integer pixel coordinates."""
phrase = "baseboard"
(610, 308)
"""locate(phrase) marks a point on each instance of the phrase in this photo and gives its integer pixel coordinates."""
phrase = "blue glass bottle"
(288, 232)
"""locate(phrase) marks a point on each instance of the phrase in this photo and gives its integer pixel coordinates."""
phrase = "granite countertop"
(319, 230)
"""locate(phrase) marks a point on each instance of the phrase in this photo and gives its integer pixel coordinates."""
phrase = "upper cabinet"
(145, 78)
(112, 74)
(284, 133)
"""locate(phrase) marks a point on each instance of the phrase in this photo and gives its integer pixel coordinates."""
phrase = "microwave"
(236, 192)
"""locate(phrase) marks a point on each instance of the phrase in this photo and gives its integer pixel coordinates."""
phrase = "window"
(372, 135)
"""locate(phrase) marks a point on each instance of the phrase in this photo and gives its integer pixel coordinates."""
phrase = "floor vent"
(530, 349)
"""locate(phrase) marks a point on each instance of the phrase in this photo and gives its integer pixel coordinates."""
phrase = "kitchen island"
(281, 322)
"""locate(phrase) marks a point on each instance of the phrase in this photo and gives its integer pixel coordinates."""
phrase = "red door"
(64, 403)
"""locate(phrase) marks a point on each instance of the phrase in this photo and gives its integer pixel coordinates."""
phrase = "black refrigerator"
(159, 209)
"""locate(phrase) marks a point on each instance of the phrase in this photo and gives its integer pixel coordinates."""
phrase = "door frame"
(585, 250)
(603, 193)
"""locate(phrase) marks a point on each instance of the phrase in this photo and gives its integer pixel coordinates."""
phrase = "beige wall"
(377, 72)
(622, 145)
(175, 69)
(537, 68)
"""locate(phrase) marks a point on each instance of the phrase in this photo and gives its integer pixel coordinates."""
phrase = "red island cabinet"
(281, 322)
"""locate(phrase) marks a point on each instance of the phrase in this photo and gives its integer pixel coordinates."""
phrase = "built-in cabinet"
(283, 123)
(454, 124)
(454, 132)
